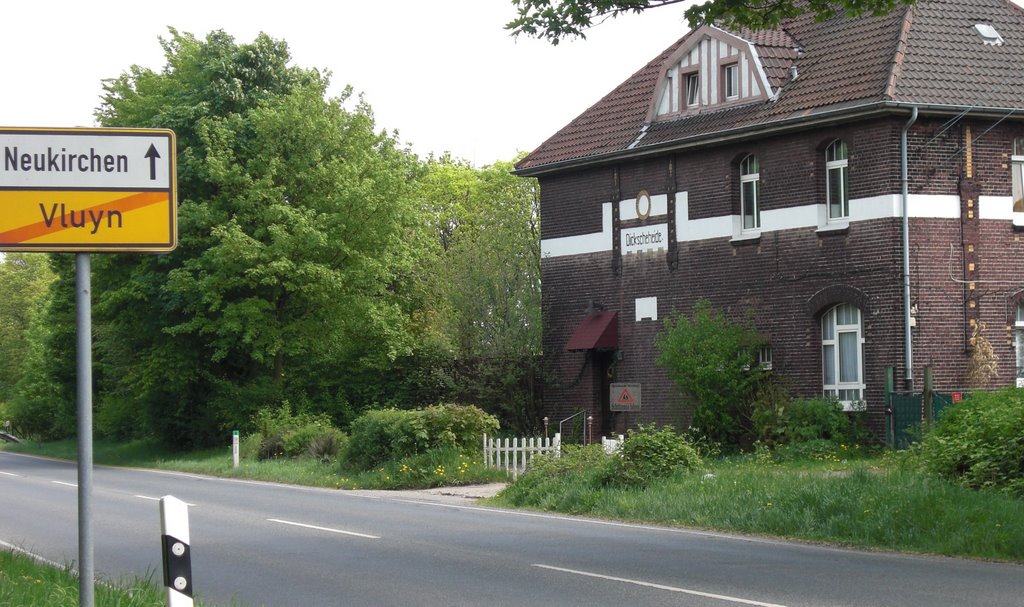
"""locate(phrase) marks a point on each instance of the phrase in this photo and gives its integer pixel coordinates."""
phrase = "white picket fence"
(612, 445)
(514, 454)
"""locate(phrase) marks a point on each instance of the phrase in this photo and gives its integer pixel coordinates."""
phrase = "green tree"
(43, 401)
(24, 286)
(487, 287)
(561, 19)
(294, 221)
(714, 362)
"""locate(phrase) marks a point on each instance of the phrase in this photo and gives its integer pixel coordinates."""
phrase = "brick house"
(855, 183)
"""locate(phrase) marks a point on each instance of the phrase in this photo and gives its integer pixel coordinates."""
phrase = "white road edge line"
(369, 537)
(708, 595)
(31, 555)
(9, 473)
(63, 483)
(157, 499)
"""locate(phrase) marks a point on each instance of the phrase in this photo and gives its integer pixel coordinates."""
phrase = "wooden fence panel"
(514, 455)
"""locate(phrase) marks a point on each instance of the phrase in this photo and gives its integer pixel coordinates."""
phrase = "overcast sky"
(444, 73)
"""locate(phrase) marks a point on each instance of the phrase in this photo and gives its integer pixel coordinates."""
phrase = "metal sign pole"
(119, 171)
(83, 317)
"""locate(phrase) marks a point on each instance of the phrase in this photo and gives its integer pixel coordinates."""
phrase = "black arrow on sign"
(152, 154)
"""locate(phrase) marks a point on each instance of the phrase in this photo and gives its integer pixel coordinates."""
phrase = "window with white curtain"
(750, 189)
(1019, 331)
(1017, 176)
(842, 354)
(837, 181)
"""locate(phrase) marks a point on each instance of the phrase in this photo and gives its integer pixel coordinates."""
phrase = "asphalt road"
(274, 545)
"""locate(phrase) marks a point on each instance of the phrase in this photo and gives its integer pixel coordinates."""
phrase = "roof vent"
(989, 34)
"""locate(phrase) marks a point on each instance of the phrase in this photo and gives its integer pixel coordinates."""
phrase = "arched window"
(750, 186)
(842, 354)
(837, 181)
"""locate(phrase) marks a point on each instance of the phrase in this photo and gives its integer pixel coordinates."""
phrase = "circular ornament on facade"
(643, 205)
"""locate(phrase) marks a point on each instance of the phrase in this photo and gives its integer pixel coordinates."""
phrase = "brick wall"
(789, 277)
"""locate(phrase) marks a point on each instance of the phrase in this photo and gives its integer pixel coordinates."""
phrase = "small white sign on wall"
(644, 238)
(646, 307)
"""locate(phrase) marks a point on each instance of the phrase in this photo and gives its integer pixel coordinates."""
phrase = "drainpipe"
(908, 379)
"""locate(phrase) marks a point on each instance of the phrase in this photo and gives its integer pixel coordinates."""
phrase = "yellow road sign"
(87, 190)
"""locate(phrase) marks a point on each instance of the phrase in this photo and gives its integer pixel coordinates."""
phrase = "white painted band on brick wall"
(996, 207)
(584, 243)
(659, 206)
(810, 215)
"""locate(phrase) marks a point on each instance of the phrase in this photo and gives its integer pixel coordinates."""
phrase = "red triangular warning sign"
(625, 398)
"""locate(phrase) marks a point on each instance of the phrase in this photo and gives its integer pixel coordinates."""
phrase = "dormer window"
(712, 68)
(731, 81)
(692, 89)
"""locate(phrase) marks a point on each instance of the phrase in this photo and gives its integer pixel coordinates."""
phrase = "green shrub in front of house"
(979, 442)
(385, 435)
(569, 483)
(573, 481)
(648, 454)
(713, 360)
(791, 429)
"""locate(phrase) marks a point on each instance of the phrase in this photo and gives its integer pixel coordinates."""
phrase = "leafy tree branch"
(559, 20)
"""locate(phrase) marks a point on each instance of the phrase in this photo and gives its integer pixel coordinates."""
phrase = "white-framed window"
(842, 354)
(731, 81)
(750, 190)
(692, 89)
(1017, 177)
(837, 181)
(764, 358)
(1019, 343)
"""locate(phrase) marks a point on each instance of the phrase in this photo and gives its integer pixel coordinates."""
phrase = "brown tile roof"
(929, 54)
(946, 63)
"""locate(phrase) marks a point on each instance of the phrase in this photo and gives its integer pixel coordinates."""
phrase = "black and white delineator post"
(176, 551)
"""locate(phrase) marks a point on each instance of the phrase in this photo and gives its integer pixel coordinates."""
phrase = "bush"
(391, 434)
(979, 442)
(560, 483)
(767, 411)
(271, 447)
(283, 433)
(649, 454)
(714, 362)
(460, 426)
(326, 445)
(804, 420)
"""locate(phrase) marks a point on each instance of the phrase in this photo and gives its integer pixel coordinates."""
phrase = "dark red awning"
(598, 331)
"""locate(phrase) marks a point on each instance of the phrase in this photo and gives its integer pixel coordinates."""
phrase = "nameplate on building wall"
(625, 397)
(644, 238)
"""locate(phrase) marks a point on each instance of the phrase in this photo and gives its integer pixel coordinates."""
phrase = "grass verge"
(432, 469)
(871, 503)
(23, 581)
